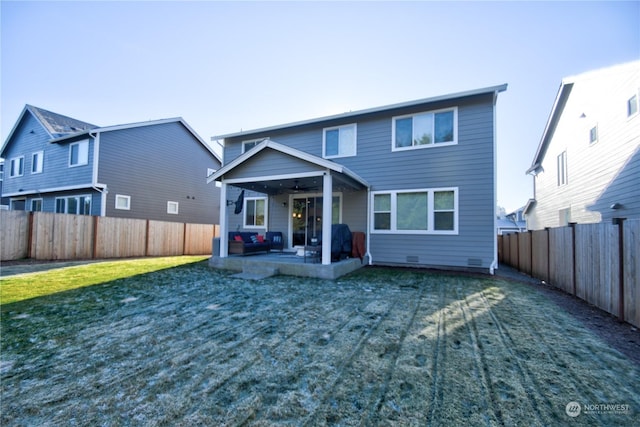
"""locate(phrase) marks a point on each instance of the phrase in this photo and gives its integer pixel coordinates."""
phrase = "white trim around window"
(172, 208)
(436, 128)
(79, 153)
(16, 167)
(123, 202)
(35, 205)
(415, 211)
(340, 141)
(249, 144)
(632, 106)
(37, 161)
(255, 212)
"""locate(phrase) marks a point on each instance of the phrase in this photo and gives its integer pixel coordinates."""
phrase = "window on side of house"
(248, 145)
(424, 211)
(339, 141)
(37, 161)
(123, 202)
(36, 205)
(79, 153)
(255, 212)
(593, 135)
(16, 167)
(632, 106)
(172, 208)
(428, 129)
(562, 168)
(77, 205)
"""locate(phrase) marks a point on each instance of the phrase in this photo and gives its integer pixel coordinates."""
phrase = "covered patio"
(294, 193)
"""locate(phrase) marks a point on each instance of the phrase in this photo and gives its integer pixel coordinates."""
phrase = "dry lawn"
(194, 346)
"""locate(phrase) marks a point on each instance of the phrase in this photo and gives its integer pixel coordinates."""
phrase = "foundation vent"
(412, 258)
(474, 262)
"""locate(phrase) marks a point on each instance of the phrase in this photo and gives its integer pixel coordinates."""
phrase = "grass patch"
(197, 346)
(32, 285)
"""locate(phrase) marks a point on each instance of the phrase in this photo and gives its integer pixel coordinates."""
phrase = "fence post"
(573, 256)
(146, 240)
(30, 234)
(94, 247)
(184, 238)
(548, 255)
(620, 223)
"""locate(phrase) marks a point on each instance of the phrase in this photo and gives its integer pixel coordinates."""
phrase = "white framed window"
(422, 130)
(37, 161)
(79, 153)
(420, 211)
(562, 168)
(123, 202)
(593, 135)
(632, 106)
(249, 144)
(255, 212)
(172, 208)
(78, 205)
(339, 141)
(36, 205)
(16, 167)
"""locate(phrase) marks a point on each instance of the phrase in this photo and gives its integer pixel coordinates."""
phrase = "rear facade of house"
(146, 170)
(426, 172)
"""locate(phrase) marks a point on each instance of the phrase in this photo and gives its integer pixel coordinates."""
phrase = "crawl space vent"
(474, 262)
(412, 258)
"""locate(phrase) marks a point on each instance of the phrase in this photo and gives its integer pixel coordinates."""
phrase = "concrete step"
(257, 272)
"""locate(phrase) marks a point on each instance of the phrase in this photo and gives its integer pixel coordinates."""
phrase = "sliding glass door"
(307, 221)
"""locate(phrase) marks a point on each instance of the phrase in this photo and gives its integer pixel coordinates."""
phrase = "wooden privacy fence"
(596, 262)
(50, 236)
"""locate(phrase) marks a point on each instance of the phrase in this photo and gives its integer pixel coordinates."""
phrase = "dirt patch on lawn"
(196, 346)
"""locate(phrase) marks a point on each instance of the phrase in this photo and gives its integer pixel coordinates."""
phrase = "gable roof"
(93, 132)
(351, 114)
(284, 149)
(56, 125)
(564, 91)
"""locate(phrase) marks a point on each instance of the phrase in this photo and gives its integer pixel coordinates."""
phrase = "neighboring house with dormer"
(151, 170)
(587, 166)
(418, 178)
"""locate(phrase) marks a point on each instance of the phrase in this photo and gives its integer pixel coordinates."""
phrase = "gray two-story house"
(151, 170)
(417, 178)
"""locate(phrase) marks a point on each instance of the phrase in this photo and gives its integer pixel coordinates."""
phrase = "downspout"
(367, 243)
(494, 263)
(100, 188)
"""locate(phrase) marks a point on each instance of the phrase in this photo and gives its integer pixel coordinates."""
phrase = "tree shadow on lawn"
(379, 346)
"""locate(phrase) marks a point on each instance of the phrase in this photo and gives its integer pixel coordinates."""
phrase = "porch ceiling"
(293, 185)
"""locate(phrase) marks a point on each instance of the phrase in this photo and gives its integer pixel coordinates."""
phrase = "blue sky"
(224, 66)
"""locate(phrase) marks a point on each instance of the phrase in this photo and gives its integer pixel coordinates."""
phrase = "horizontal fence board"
(14, 229)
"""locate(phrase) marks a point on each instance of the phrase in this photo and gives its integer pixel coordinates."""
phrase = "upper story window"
(339, 141)
(426, 129)
(593, 135)
(248, 145)
(255, 212)
(562, 168)
(79, 153)
(16, 167)
(37, 161)
(428, 211)
(632, 106)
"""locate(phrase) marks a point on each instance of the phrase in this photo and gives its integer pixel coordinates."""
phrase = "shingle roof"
(57, 124)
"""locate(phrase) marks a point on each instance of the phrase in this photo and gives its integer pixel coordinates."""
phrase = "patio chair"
(275, 237)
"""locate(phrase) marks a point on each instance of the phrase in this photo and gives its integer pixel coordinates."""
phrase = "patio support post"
(327, 202)
(224, 223)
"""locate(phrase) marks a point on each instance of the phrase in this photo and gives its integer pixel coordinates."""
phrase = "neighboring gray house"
(151, 170)
(512, 223)
(418, 178)
(587, 166)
